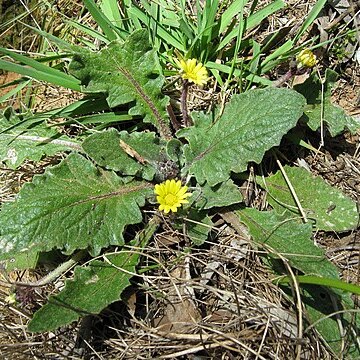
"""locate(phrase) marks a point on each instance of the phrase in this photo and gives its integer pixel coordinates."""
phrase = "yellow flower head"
(193, 71)
(306, 59)
(171, 195)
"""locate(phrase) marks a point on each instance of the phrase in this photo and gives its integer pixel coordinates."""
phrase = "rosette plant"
(144, 171)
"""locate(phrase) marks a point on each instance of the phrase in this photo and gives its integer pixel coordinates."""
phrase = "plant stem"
(184, 109)
(62, 268)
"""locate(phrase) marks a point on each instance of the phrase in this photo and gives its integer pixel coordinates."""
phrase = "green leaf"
(21, 139)
(223, 194)
(252, 123)
(320, 303)
(105, 148)
(331, 209)
(198, 225)
(107, 27)
(289, 238)
(334, 116)
(127, 72)
(293, 241)
(92, 289)
(72, 206)
(21, 261)
(317, 280)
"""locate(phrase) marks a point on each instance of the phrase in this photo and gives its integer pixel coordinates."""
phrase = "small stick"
(292, 190)
(132, 152)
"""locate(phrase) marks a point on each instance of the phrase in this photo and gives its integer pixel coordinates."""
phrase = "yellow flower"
(306, 59)
(171, 195)
(193, 71)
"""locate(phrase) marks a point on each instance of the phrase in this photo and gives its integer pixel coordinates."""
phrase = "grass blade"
(41, 76)
(111, 11)
(227, 17)
(227, 69)
(102, 20)
(37, 65)
(12, 92)
(318, 280)
(310, 18)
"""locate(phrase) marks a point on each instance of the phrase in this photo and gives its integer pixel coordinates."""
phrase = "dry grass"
(213, 302)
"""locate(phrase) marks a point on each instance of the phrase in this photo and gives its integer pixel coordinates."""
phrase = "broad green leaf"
(333, 116)
(223, 194)
(72, 206)
(21, 261)
(328, 206)
(198, 225)
(293, 241)
(21, 139)
(127, 72)
(289, 238)
(92, 289)
(108, 149)
(319, 303)
(252, 123)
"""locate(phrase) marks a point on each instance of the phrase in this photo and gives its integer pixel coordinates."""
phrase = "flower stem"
(184, 109)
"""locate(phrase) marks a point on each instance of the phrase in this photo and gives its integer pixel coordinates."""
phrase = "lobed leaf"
(328, 206)
(319, 106)
(252, 123)
(72, 206)
(118, 150)
(127, 72)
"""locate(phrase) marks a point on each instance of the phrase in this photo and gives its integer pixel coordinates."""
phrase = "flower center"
(170, 199)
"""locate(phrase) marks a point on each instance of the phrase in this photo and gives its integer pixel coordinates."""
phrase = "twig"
(132, 152)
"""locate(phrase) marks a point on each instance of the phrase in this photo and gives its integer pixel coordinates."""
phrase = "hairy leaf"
(198, 225)
(141, 154)
(93, 288)
(252, 123)
(127, 72)
(224, 194)
(289, 238)
(72, 206)
(319, 100)
(20, 261)
(331, 209)
(292, 240)
(319, 303)
(22, 139)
